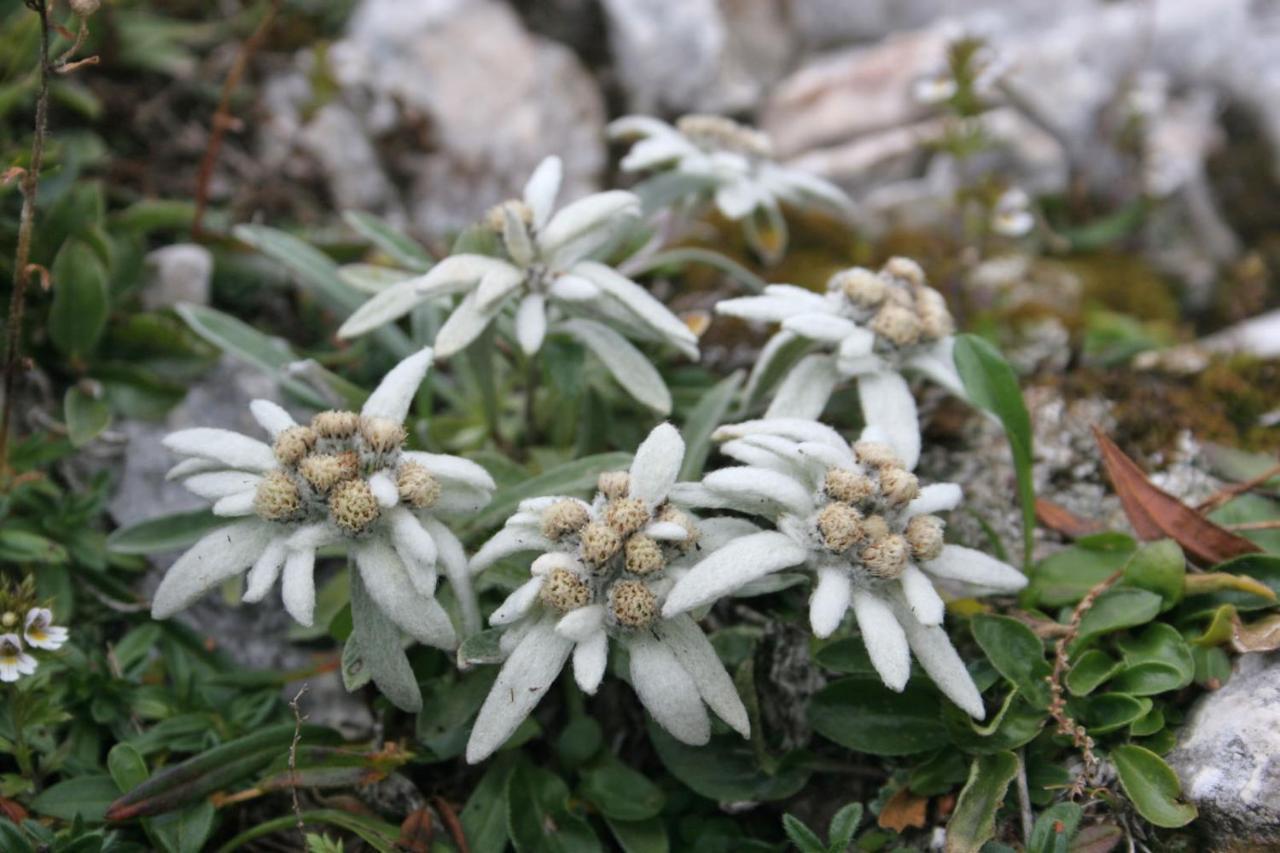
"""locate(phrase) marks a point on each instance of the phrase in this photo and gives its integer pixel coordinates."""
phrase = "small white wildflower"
(550, 279)
(39, 631)
(935, 89)
(869, 327)
(875, 553)
(346, 480)
(14, 662)
(1011, 216)
(604, 571)
(733, 164)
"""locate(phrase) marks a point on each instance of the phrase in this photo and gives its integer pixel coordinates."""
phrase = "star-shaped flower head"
(24, 626)
(868, 326)
(550, 279)
(605, 569)
(716, 157)
(343, 479)
(862, 524)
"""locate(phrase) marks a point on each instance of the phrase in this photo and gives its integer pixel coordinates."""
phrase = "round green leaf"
(620, 792)
(1091, 670)
(1119, 608)
(80, 301)
(1152, 786)
(1112, 711)
(862, 714)
(86, 416)
(973, 823)
(1017, 653)
(1159, 567)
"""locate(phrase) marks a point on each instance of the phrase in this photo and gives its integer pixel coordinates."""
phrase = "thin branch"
(298, 717)
(1226, 493)
(222, 118)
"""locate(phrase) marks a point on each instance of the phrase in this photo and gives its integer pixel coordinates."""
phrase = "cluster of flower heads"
(547, 274)
(859, 521)
(709, 155)
(604, 570)
(345, 480)
(25, 626)
(868, 327)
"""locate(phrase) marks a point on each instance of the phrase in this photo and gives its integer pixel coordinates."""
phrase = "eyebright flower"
(604, 572)
(39, 632)
(343, 479)
(555, 286)
(733, 164)
(869, 326)
(863, 526)
(1012, 216)
(24, 625)
(14, 662)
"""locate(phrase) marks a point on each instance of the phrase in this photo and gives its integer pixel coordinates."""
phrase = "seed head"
(886, 557)
(294, 443)
(626, 515)
(326, 470)
(852, 487)
(840, 526)
(277, 497)
(861, 286)
(898, 486)
(924, 535)
(382, 435)
(417, 486)
(563, 518)
(565, 591)
(335, 424)
(353, 507)
(897, 324)
(675, 516)
(599, 543)
(644, 555)
(876, 454)
(614, 484)
(904, 269)
(633, 604)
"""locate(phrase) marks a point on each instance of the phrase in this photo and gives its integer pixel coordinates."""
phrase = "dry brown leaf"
(904, 810)
(1156, 514)
(12, 810)
(1099, 838)
(449, 817)
(416, 832)
(1057, 517)
(1260, 635)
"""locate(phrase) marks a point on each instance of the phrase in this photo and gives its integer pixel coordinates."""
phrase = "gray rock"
(1228, 757)
(178, 273)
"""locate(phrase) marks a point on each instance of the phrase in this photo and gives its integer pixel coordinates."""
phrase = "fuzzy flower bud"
(626, 515)
(717, 132)
(599, 543)
(935, 318)
(886, 557)
(898, 486)
(904, 269)
(353, 507)
(876, 454)
(897, 324)
(563, 518)
(417, 487)
(382, 435)
(840, 526)
(633, 604)
(277, 498)
(326, 470)
(670, 513)
(565, 591)
(851, 487)
(334, 424)
(875, 527)
(924, 535)
(495, 219)
(614, 484)
(294, 443)
(861, 286)
(644, 555)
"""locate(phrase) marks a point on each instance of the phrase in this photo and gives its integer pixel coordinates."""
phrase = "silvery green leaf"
(806, 389)
(579, 223)
(629, 366)
(401, 248)
(354, 672)
(372, 279)
(380, 652)
(638, 302)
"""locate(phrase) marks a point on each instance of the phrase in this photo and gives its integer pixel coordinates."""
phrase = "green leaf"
(1110, 711)
(22, 546)
(862, 714)
(804, 838)
(1064, 577)
(702, 421)
(399, 247)
(1151, 786)
(184, 831)
(1213, 667)
(1016, 652)
(1231, 463)
(86, 416)
(1054, 828)
(642, 836)
(1118, 608)
(317, 272)
(484, 817)
(620, 792)
(1016, 724)
(848, 655)
(1159, 567)
(78, 313)
(1261, 567)
(127, 766)
(83, 797)
(579, 740)
(1149, 724)
(576, 477)
(381, 652)
(727, 770)
(163, 534)
(1091, 669)
(12, 839)
(1149, 679)
(270, 355)
(538, 819)
(844, 824)
(378, 834)
(481, 648)
(973, 823)
(992, 385)
(1157, 660)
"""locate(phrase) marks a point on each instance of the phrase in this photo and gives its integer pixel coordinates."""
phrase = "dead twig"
(298, 717)
(1058, 703)
(1269, 524)
(1226, 493)
(222, 118)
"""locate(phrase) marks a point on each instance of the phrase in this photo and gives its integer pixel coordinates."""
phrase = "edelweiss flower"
(344, 479)
(870, 327)
(605, 570)
(549, 277)
(14, 662)
(40, 632)
(863, 524)
(732, 163)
